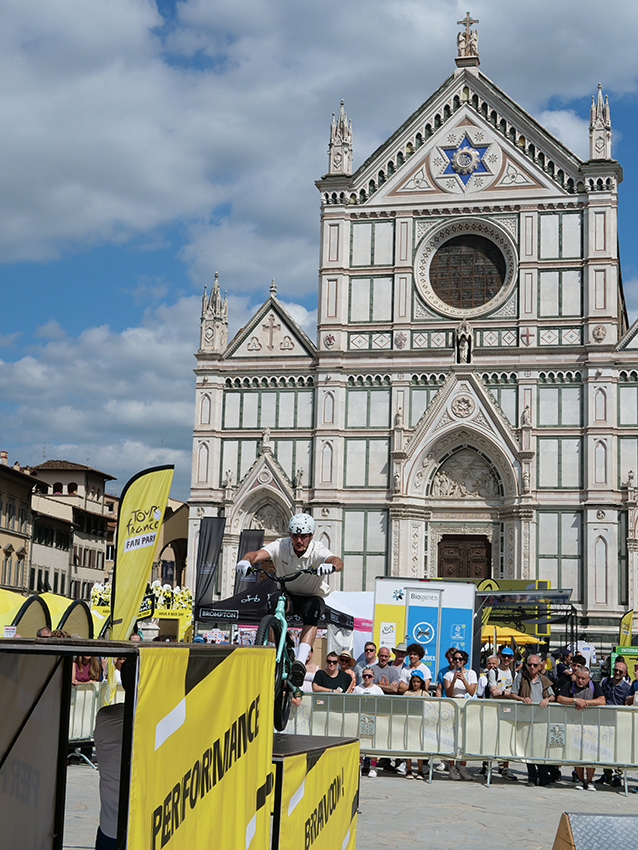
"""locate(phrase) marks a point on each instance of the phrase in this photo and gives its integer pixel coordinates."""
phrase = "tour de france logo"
(142, 527)
(423, 633)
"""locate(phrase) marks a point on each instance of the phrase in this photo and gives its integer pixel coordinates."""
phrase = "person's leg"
(532, 773)
(306, 641)
(590, 773)
(104, 842)
(408, 769)
(544, 776)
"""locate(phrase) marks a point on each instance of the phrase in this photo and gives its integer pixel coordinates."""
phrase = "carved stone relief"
(271, 520)
(466, 475)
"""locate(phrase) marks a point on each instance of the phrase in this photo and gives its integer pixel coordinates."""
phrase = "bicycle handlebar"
(283, 579)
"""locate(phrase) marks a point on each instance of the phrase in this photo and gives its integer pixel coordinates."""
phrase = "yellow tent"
(28, 614)
(504, 635)
(72, 615)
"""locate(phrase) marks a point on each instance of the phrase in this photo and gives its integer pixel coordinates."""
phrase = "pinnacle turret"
(599, 127)
(214, 321)
(340, 147)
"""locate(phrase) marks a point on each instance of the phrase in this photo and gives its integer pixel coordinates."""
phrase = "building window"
(559, 236)
(559, 463)
(370, 299)
(559, 548)
(62, 584)
(6, 571)
(32, 578)
(467, 271)
(293, 455)
(367, 408)
(11, 515)
(504, 391)
(372, 244)
(627, 401)
(58, 488)
(365, 544)
(366, 463)
(623, 560)
(72, 488)
(55, 582)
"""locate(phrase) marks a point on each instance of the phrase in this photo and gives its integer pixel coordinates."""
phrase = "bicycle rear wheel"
(268, 623)
(283, 701)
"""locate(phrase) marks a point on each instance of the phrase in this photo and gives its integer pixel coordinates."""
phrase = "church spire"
(214, 320)
(340, 147)
(599, 127)
(467, 43)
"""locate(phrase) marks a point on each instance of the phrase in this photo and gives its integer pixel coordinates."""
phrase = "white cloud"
(51, 330)
(569, 128)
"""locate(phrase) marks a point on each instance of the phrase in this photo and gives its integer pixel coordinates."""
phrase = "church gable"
(272, 332)
(469, 137)
(462, 401)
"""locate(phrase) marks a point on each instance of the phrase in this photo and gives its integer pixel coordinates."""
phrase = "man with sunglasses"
(369, 658)
(616, 688)
(531, 686)
(331, 678)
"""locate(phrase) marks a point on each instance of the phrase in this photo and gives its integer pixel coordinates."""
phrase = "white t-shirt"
(502, 680)
(283, 557)
(459, 687)
(587, 651)
(109, 728)
(371, 690)
(406, 673)
(482, 684)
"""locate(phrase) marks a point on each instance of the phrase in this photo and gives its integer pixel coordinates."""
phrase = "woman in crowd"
(345, 660)
(86, 668)
(459, 683)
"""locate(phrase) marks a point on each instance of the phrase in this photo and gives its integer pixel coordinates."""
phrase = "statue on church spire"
(340, 147)
(467, 43)
(214, 320)
(600, 127)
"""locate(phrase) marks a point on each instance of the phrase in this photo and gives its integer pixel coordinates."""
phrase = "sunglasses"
(368, 676)
(458, 658)
(331, 661)
(618, 670)
(531, 664)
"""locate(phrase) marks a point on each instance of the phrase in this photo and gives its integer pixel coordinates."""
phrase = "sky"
(145, 145)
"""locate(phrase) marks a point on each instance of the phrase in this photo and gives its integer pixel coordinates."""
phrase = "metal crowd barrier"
(386, 726)
(597, 736)
(487, 730)
(86, 701)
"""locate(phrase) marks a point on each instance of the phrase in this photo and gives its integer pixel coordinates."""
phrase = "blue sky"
(146, 145)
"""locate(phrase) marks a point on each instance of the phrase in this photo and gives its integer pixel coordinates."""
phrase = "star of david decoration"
(465, 160)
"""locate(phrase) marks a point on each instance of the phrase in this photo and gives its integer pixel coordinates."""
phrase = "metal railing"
(489, 730)
(86, 700)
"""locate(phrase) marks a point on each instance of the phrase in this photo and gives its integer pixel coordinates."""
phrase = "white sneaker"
(591, 787)
(441, 767)
(372, 774)
(465, 773)
(579, 786)
(454, 774)
(402, 769)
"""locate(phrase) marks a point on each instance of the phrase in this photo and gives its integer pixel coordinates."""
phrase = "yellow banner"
(319, 798)
(201, 766)
(626, 623)
(139, 521)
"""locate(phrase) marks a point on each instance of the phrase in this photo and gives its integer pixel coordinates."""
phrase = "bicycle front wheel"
(269, 630)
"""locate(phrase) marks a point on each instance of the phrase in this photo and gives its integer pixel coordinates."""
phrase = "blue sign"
(423, 623)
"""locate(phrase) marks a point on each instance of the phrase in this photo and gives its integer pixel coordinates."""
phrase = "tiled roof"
(69, 465)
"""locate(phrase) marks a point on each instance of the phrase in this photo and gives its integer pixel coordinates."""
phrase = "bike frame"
(280, 614)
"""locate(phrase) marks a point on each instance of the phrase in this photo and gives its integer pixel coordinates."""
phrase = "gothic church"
(469, 406)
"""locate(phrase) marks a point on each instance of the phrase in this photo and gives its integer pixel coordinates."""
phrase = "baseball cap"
(418, 674)
(401, 647)
(506, 651)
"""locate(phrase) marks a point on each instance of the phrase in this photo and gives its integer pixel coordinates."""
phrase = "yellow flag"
(140, 518)
(626, 622)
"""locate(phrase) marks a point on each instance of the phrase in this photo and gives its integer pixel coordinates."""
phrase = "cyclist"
(299, 551)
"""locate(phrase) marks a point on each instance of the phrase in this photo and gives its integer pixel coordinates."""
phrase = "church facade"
(469, 406)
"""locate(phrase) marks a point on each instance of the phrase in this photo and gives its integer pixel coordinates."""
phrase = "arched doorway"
(465, 556)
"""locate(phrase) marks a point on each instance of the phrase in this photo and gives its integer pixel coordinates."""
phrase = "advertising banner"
(201, 764)
(424, 623)
(250, 540)
(211, 532)
(140, 517)
(319, 799)
(626, 623)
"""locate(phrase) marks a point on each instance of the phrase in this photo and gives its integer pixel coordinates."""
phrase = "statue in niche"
(397, 482)
(398, 418)
(265, 440)
(526, 416)
(229, 478)
(526, 482)
(465, 475)
(463, 342)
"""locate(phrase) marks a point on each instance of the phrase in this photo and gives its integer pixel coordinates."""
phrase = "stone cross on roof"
(467, 42)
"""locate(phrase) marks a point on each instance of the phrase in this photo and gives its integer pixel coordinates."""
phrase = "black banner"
(250, 540)
(211, 532)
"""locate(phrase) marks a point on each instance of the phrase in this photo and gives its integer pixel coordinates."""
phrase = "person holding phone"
(459, 683)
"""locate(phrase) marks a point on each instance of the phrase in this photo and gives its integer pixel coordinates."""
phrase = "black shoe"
(602, 780)
(297, 673)
(616, 782)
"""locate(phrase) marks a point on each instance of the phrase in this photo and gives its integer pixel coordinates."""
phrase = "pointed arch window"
(202, 462)
(204, 416)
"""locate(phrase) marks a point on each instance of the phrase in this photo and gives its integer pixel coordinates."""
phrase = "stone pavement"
(396, 812)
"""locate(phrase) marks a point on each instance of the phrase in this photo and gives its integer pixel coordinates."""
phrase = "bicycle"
(278, 625)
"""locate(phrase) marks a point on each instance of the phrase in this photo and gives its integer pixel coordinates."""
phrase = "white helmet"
(301, 524)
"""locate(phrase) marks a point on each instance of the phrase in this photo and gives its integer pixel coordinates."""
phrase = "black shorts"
(309, 608)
